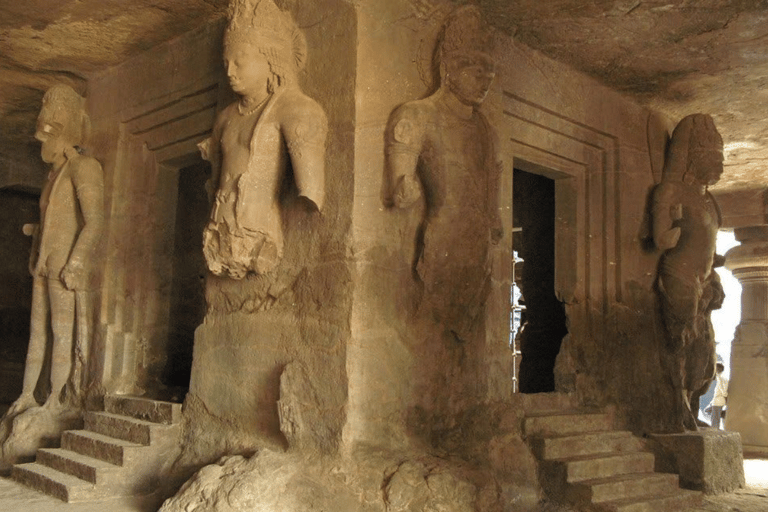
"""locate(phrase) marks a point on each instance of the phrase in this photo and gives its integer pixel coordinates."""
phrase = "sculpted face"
(247, 69)
(707, 164)
(469, 77)
(54, 142)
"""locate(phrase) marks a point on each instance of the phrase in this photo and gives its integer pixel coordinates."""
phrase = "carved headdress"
(464, 33)
(63, 114)
(264, 25)
(694, 133)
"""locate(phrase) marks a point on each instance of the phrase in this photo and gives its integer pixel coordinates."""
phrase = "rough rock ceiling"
(679, 56)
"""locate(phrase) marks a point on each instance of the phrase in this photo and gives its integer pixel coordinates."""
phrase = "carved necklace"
(254, 109)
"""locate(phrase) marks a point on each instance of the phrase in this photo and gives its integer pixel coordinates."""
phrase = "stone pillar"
(748, 389)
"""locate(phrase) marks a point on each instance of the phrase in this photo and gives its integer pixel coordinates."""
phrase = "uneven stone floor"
(17, 498)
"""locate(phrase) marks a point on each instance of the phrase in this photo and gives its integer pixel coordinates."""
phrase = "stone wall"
(605, 154)
(149, 114)
(344, 306)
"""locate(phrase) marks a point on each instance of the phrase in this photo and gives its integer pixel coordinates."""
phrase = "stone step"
(549, 424)
(592, 467)
(102, 447)
(561, 447)
(55, 483)
(125, 428)
(166, 413)
(634, 485)
(85, 468)
(678, 501)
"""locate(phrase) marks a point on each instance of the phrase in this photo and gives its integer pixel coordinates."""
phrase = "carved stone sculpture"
(62, 265)
(685, 223)
(443, 148)
(254, 138)
(72, 218)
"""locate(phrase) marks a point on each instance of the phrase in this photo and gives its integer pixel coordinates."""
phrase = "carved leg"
(36, 349)
(62, 322)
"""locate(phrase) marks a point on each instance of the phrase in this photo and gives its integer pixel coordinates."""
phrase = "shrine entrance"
(539, 314)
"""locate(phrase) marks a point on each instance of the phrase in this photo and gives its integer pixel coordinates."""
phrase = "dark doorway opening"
(188, 286)
(543, 321)
(17, 207)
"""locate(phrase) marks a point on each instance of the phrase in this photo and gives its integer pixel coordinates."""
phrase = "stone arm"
(305, 130)
(33, 230)
(88, 181)
(495, 169)
(404, 144)
(210, 150)
(666, 209)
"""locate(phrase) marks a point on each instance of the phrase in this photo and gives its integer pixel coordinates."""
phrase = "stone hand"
(73, 275)
(676, 212)
(407, 190)
(669, 239)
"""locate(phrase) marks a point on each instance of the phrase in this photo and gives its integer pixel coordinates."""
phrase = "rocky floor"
(17, 498)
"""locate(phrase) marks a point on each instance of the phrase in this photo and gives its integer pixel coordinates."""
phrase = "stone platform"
(709, 460)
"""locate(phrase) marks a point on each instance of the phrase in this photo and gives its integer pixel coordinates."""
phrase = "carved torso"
(245, 231)
(458, 172)
(71, 198)
(693, 254)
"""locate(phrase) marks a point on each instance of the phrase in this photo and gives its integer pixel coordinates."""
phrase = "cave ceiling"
(677, 56)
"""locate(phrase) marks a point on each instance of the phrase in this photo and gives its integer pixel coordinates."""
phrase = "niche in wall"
(188, 285)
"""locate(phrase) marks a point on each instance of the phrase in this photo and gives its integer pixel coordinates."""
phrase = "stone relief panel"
(685, 223)
(63, 266)
(443, 149)
(254, 137)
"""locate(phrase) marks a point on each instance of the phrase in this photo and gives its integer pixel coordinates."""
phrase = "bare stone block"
(709, 460)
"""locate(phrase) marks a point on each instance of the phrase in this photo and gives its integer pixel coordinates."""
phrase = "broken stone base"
(23, 434)
(709, 460)
(372, 480)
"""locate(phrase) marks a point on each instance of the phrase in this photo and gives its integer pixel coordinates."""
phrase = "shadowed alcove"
(544, 322)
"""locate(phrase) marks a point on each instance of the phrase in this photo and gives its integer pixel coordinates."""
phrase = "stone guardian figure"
(255, 137)
(71, 223)
(443, 148)
(63, 268)
(685, 224)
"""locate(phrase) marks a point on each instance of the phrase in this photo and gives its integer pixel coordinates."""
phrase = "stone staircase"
(585, 463)
(121, 452)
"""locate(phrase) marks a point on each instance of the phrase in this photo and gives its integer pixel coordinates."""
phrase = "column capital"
(749, 261)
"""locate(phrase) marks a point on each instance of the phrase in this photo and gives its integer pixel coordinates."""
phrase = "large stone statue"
(443, 148)
(685, 224)
(71, 222)
(62, 265)
(254, 137)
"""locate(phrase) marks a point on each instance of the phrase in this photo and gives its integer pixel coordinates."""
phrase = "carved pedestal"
(748, 389)
(709, 461)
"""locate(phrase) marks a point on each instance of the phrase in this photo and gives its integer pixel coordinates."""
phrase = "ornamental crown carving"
(263, 24)
(465, 31)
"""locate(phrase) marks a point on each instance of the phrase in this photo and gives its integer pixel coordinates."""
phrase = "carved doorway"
(543, 323)
(187, 300)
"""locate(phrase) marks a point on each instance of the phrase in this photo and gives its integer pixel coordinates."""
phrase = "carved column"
(748, 390)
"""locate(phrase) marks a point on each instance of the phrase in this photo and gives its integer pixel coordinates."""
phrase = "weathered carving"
(254, 137)
(62, 265)
(443, 148)
(685, 223)
(72, 218)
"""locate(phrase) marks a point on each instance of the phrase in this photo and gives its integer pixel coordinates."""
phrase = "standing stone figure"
(71, 223)
(685, 224)
(253, 138)
(444, 148)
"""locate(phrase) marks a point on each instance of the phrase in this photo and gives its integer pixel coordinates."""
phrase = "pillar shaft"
(748, 390)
